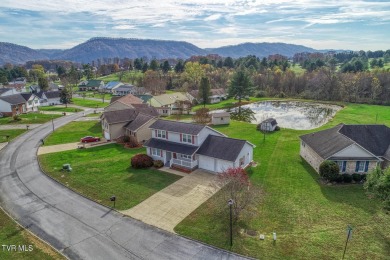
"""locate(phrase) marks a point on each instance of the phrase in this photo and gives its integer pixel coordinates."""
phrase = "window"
(342, 165)
(161, 134)
(242, 160)
(185, 156)
(187, 138)
(361, 166)
(156, 152)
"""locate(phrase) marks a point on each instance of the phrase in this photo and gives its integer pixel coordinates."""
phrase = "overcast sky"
(325, 24)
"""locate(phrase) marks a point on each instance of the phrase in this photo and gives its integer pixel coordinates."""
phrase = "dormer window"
(161, 134)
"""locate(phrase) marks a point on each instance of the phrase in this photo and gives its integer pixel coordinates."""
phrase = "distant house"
(49, 98)
(222, 118)
(132, 122)
(119, 103)
(111, 85)
(92, 84)
(216, 95)
(145, 97)
(32, 102)
(168, 104)
(356, 148)
(189, 146)
(7, 91)
(268, 125)
(12, 105)
(127, 89)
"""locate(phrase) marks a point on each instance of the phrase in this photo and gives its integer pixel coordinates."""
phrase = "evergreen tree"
(204, 90)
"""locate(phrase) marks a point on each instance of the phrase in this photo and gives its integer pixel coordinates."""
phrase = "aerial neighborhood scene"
(195, 130)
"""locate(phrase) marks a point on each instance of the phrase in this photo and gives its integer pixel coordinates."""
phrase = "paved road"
(78, 227)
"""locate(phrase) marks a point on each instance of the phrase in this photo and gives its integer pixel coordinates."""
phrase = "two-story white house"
(32, 102)
(189, 146)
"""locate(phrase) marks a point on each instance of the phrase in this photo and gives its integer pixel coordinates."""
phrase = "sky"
(325, 24)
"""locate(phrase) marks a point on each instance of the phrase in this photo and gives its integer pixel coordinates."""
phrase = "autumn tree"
(193, 73)
(202, 116)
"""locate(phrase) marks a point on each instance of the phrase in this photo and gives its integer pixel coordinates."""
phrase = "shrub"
(339, 178)
(277, 128)
(347, 178)
(16, 118)
(158, 163)
(329, 170)
(139, 161)
(363, 177)
(261, 94)
(356, 177)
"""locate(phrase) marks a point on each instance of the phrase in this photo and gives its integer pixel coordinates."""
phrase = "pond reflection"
(294, 114)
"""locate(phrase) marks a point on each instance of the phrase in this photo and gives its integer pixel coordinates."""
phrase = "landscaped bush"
(277, 128)
(339, 178)
(363, 177)
(158, 163)
(16, 118)
(347, 178)
(329, 170)
(139, 161)
(357, 177)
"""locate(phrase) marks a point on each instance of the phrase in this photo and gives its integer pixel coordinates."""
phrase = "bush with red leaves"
(140, 161)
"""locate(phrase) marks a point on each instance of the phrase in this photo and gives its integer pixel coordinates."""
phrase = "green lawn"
(30, 118)
(60, 109)
(13, 234)
(11, 133)
(103, 171)
(73, 131)
(310, 219)
(88, 103)
(127, 76)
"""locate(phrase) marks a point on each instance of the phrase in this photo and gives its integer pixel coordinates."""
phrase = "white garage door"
(107, 135)
(206, 163)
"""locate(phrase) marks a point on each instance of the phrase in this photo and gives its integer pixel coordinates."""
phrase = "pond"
(294, 114)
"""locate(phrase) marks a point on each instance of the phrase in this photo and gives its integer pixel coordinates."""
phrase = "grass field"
(88, 103)
(13, 234)
(73, 131)
(310, 218)
(127, 76)
(11, 133)
(103, 171)
(30, 118)
(60, 109)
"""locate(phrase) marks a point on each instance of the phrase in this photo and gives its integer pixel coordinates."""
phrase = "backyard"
(104, 171)
(310, 218)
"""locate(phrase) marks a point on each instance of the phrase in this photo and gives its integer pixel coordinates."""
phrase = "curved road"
(78, 227)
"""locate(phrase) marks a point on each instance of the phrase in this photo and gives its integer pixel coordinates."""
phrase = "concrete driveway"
(168, 207)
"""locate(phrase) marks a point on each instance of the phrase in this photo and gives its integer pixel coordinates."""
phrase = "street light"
(230, 203)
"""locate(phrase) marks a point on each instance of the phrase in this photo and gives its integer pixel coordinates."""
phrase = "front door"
(169, 156)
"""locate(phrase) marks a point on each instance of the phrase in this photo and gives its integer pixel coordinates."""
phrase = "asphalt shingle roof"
(3, 90)
(270, 120)
(171, 146)
(220, 114)
(126, 115)
(14, 99)
(139, 121)
(52, 94)
(178, 127)
(220, 147)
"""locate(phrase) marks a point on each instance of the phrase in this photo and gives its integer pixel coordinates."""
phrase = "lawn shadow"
(149, 178)
(349, 194)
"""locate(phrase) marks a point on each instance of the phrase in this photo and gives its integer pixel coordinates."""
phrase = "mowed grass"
(104, 171)
(30, 118)
(89, 103)
(310, 218)
(13, 234)
(230, 103)
(12, 133)
(60, 109)
(126, 77)
(73, 131)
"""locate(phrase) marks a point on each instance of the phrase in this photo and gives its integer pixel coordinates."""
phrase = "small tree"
(245, 115)
(43, 83)
(378, 185)
(236, 185)
(65, 97)
(202, 116)
(329, 170)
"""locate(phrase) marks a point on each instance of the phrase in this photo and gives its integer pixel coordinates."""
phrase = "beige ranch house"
(356, 148)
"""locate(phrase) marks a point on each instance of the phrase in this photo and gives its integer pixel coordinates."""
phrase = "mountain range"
(99, 48)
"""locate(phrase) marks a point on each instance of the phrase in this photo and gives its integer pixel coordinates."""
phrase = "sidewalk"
(18, 126)
(2, 145)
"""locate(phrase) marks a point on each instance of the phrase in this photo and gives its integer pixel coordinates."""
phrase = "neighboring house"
(189, 146)
(55, 87)
(145, 97)
(222, 118)
(7, 92)
(92, 84)
(168, 104)
(216, 95)
(119, 103)
(49, 98)
(32, 102)
(356, 148)
(18, 81)
(110, 85)
(12, 105)
(268, 125)
(127, 89)
(132, 122)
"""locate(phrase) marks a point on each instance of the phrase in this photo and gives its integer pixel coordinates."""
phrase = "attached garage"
(107, 135)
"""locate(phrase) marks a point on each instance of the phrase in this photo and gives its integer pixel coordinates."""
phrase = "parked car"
(89, 139)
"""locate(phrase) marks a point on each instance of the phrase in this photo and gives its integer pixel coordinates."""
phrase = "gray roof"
(171, 146)
(220, 114)
(26, 96)
(127, 115)
(3, 90)
(270, 120)
(178, 127)
(113, 99)
(52, 94)
(139, 121)
(220, 147)
(373, 138)
(14, 99)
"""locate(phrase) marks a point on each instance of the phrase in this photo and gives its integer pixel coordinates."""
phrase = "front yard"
(89, 103)
(104, 171)
(11, 133)
(61, 108)
(30, 118)
(72, 132)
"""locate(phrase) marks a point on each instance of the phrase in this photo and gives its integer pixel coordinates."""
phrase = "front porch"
(188, 164)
